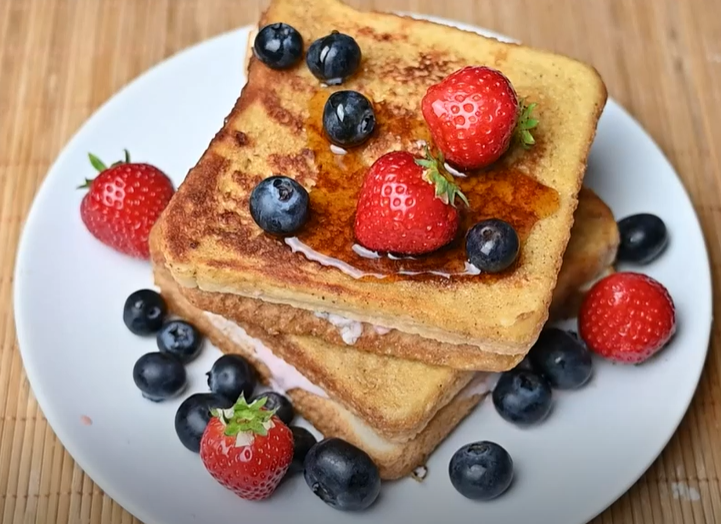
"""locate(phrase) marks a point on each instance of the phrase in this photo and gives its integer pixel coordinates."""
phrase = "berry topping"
(181, 339)
(627, 317)
(159, 376)
(279, 205)
(122, 204)
(247, 449)
(643, 238)
(144, 312)
(561, 359)
(303, 440)
(232, 376)
(472, 115)
(193, 416)
(406, 205)
(522, 397)
(342, 475)
(278, 403)
(348, 118)
(333, 58)
(481, 470)
(492, 245)
(279, 46)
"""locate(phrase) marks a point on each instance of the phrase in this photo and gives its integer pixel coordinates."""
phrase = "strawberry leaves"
(246, 418)
(526, 122)
(434, 173)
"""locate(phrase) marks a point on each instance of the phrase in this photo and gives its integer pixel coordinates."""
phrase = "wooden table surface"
(61, 59)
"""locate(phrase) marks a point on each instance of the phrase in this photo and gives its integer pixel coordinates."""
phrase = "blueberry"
(303, 440)
(279, 205)
(481, 470)
(522, 397)
(232, 376)
(348, 118)
(279, 46)
(181, 339)
(333, 58)
(193, 416)
(277, 401)
(492, 245)
(643, 238)
(144, 312)
(342, 475)
(561, 358)
(160, 376)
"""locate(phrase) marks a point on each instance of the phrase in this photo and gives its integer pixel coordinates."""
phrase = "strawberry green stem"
(445, 188)
(525, 123)
(246, 418)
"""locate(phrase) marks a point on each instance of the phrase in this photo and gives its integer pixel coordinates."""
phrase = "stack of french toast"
(387, 349)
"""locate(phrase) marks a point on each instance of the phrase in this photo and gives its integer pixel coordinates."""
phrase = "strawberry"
(123, 203)
(247, 449)
(407, 205)
(627, 317)
(472, 115)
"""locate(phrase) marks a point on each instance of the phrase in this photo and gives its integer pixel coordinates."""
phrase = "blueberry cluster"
(279, 205)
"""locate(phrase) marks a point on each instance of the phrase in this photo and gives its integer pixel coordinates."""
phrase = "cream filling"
(283, 376)
(350, 330)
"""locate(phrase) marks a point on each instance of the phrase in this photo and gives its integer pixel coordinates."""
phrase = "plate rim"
(32, 372)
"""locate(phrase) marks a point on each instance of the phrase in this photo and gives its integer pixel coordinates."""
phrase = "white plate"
(70, 290)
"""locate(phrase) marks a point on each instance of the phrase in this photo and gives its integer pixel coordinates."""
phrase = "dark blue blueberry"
(348, 118)
(232, 376)
(333, 58)
(279, 205)
(342, 475)
(492, 245)
(144, 312)
(279, 46)
(181, 339)
(277, 401)
(303, 440)
(193, 416)
(159, 376)
(643, 238)
(481, 471)
(561, 358)
(522, 397)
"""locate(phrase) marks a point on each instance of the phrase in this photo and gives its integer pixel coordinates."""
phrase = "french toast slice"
(210, 242)
(394, 459)
(591, 251)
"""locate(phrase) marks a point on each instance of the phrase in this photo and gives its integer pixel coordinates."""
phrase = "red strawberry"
(247, 449)
(627, 317)
(472, 115)
(406, 205)
(123, 203)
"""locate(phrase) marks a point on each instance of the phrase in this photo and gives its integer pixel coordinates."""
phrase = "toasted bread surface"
(210, 241)
(590, 252)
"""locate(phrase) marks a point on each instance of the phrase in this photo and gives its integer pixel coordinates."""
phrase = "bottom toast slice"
(394, 459)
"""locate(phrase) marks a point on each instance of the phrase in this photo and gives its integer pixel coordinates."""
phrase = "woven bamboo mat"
(60, 59)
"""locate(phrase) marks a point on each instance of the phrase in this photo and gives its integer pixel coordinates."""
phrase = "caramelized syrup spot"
(499, 192)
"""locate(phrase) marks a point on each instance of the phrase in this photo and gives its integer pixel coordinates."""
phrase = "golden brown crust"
(210, 241)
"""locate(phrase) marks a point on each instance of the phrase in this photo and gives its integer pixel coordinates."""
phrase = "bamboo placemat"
(60, 59)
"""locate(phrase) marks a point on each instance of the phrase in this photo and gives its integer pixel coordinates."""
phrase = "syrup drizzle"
(501, 191)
